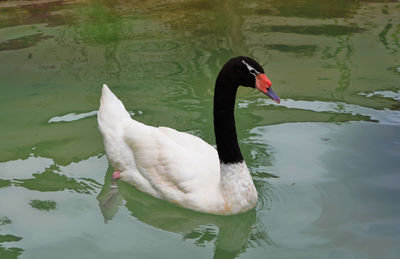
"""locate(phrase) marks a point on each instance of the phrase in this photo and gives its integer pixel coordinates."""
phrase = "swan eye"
(252, 71)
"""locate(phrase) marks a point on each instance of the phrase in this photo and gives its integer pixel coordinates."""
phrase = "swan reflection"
(231, 235)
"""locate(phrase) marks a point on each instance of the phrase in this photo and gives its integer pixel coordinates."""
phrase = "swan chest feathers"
(237, 188)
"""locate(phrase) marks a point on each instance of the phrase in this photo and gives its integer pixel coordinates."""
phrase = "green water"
(326, 161)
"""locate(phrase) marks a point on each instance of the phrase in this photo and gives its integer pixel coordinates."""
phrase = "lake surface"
(326, 161)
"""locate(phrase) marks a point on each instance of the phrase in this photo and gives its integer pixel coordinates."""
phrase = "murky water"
(326, 161)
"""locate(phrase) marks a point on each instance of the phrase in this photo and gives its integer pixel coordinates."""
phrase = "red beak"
(264, 85)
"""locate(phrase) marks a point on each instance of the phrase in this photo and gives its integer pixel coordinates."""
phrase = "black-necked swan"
(182, 168)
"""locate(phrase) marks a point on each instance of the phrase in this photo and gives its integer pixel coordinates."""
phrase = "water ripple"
(385, 116)
(78, 116)
(72, 116)
(384, 94)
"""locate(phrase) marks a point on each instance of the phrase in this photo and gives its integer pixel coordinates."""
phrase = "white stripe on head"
(251, 69)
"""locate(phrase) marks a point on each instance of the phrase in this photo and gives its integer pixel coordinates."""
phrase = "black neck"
(224, 119)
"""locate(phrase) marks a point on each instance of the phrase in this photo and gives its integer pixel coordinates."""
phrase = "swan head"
(248, 72)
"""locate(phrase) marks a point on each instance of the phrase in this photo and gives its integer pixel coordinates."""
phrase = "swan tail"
(112, 112)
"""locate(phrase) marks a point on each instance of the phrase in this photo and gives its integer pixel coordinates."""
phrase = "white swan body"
(181, 168)
(172, 165)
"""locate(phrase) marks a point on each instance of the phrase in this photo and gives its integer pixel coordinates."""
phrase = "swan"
(181, 168)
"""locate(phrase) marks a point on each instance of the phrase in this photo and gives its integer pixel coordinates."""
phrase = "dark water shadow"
(299, 50)
(329, 30)
(50, 180)
(23, 42)
(231, 235)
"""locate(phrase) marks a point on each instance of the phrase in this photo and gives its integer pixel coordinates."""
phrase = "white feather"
(172, 165)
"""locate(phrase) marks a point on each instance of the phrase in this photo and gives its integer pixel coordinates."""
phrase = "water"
(325, 161)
